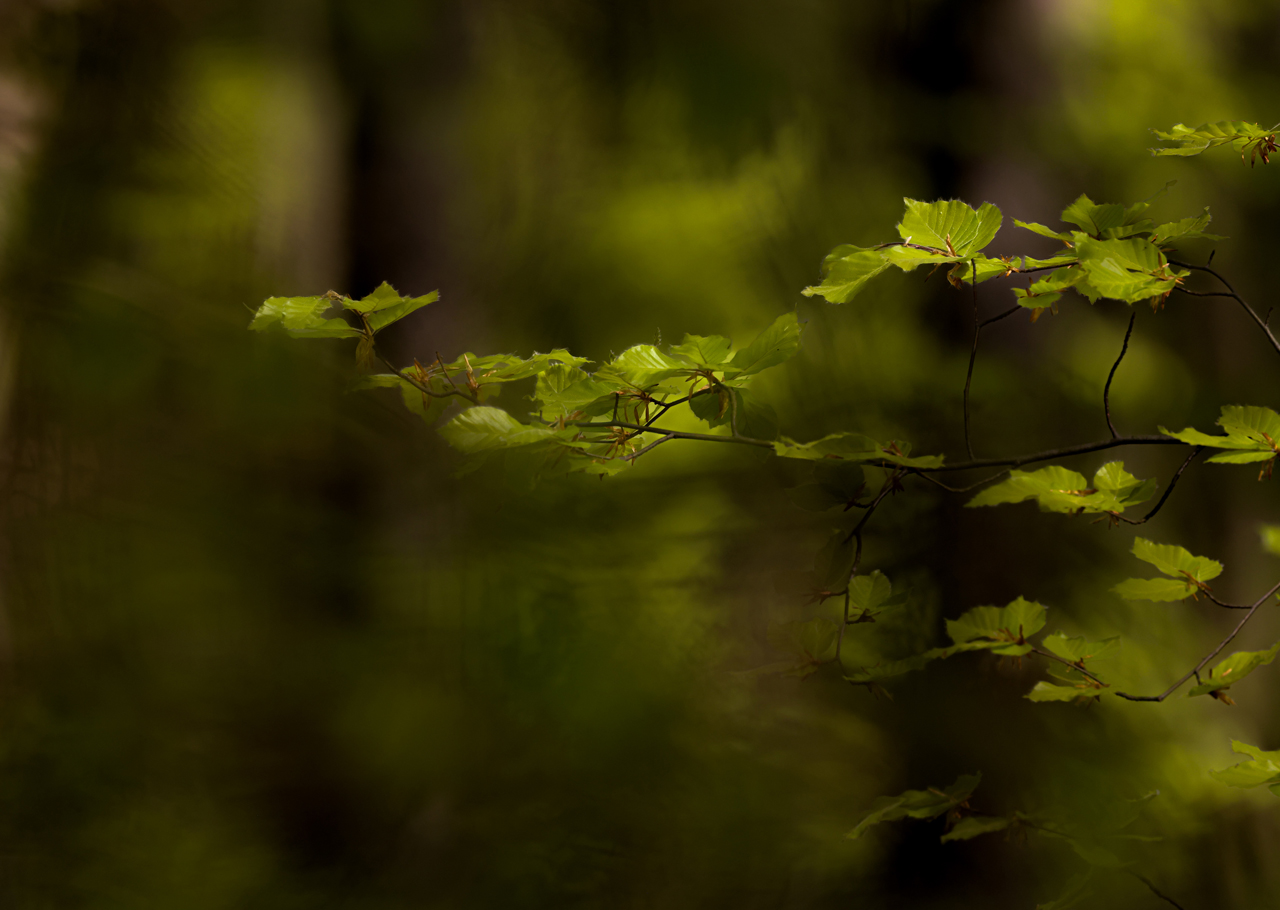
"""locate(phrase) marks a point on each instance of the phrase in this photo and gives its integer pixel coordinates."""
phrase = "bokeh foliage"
(263, 648)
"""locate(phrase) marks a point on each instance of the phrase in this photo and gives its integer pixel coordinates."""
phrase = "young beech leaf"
(973, 826)
(1242, 136)
(986, 268)
(1188, 573)
(1264, 770)
(1077, 891)
(918, 804)
(1231, 670)
(1271, 539)
(1078, 649)
(1042, 230)
(703, 351)
(1058, 489)
(1093, 218)
(854, 447)
(950, 226)
(1046, 291)
(776, 344)
(889, 669)
(1252, 433)
(847, 269)
(869, 595)
(385, 306)
(1044, 691)
(302, 317)
(1003, 630)
(480, 429)
(1175, 232)
(726, 407)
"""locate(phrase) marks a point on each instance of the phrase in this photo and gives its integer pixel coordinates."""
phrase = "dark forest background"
(261, 648)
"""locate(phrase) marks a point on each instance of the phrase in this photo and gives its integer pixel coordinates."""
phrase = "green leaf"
(1176, 561)
(1263, 770)
(1078, 650)
(812, 643)
(480, 429)
(566, 389)
(776, 344)
(1042, 230)
(1008, 626)
(834, 562)
(1235, 667)
(643, 366)
(918, 804)
(1077, 891)
(1241, 135)
(950, 226)
(385, 306)
(710, 351)
(854, 447)
(754, 418)
(1130, 269)
(302, 317)
(1044, 691)
(1058, 489)
(974, 826)
(1175, 232)
(839, 483)
(1093, 218)
(1047, 290)
(847, 269)
(868, 595)
(1253, 431)
(987, 269)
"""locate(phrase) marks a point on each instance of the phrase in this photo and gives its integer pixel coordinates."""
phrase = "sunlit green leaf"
(1176, 561)
(1185, 229)
(1007, 627)
(949, 226)
(1044, 691)
(302, 317)
(854, 447)
(1158, 589)
(1253, 431)
(1271, 539)
(479, 429)
(847, 269)
(1233, 669)
(776, 344)
(1058, 489)
(1078, 649)
(703, 351)
(1188, 141)
(385, 306)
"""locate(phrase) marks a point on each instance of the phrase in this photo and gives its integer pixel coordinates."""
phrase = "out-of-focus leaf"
(847, 269)
(1077, 891)
(1078, 649)
(869, 594)
(832, 564)
(949, 226)
(1158, 589)
(918, 804)
(811, 643)
(1271, 539)
(1044, 691)
(974, 826)
(726, 406)
(1264, 769)
(1004, 628)
(1233, 669)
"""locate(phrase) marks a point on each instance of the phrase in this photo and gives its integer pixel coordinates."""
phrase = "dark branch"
(1167, 490)
(1154, 890)
(1233, 295)
(1106, 391)
(1195, 671)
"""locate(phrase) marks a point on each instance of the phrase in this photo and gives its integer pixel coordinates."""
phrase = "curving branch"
(1231, 292)
(1106, 391)
(1195, 671)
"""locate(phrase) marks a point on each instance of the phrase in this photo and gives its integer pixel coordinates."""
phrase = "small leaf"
(973, 826)
(1271, 539)
(868, 594)
(1044, 691)
(918, 804)
(385, 306)
(703, 351)
(1239, 134)
(1176, 561)
(1233, 669)
(776, 344)
(1263, 770)
(847, 269)
(1007, 627)
(1078, 649)
(302, 317)
(1158, 589)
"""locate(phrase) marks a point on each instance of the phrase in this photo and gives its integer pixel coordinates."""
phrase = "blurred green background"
(261, 648)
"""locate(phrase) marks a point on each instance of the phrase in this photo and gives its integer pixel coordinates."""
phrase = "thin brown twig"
(1233, 295)
(1106, 391)
(1195, 671)
(1167, 490)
